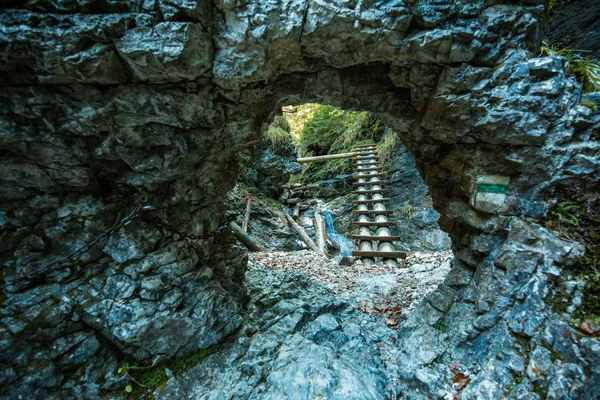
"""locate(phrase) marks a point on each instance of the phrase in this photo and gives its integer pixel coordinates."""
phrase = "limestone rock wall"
(106, 104)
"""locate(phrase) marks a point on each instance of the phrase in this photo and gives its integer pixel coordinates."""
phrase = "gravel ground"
(389, 293)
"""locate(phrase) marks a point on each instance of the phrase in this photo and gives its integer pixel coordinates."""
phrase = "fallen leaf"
(392, 322)
(380, 345)
(384, 358)
(586, 328)
(460, 381)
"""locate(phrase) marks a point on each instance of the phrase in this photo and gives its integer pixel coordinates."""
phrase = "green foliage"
(564, 213)
(589, 104)
(332, 130)
(586, 70)
(277, 131)
(441, 326)
(156, 377)
(386, 147)
(579, 220)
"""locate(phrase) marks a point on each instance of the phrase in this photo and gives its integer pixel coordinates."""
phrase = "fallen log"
(247, 240)
(305, 238)
(320, 232)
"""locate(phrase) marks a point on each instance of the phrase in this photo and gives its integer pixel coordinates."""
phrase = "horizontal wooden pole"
(382, 254)
(371, 201)
(373, 212)
(376, 238)
(379, 223)
(327, 157)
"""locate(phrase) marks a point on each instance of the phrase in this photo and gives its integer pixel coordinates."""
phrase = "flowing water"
(342, 241)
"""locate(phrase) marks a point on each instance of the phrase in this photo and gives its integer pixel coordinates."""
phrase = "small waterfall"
(342, 241)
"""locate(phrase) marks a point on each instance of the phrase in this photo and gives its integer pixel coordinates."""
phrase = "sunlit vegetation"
(332, 130)
(585, 69)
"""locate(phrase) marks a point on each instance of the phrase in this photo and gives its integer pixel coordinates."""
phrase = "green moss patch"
(578, 219)
(148, 380)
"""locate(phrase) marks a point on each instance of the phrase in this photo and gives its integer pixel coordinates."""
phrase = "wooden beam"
(371, 201)
(376, 238)
(373, 212)
(366, 157)
(380, 223)
(327, 157)
(382, 254)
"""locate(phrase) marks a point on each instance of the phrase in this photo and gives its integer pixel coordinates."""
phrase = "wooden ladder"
(370, 184)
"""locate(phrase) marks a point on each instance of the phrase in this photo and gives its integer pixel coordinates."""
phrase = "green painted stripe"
(492, 188)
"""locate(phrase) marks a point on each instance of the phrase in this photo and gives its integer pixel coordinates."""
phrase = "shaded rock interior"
(109, 104)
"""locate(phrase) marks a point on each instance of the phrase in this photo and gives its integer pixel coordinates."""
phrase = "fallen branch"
(309, 242)
(247, 240)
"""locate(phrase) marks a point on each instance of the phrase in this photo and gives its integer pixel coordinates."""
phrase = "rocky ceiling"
(107, 104)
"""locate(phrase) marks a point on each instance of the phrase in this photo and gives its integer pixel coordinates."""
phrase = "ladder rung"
(364, 145)
(365, 158)
(376, 238)
(382, 254)
(371, 201)
(380, 223)
(371, 183)
(366, 163)
(362, 152)
(367, 169)
(373, 212)
(372, 191)
(359, 176)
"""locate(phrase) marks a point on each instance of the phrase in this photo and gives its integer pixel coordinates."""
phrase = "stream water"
(342, 241)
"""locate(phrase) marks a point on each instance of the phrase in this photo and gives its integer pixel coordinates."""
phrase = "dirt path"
(388, 293)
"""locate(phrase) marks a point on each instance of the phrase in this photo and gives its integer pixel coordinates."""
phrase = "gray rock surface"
(107, 104)
(298, 342)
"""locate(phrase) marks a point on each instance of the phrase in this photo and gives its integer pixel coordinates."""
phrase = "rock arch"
(151, 104)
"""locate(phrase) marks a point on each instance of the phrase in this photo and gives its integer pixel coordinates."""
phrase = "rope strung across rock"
(140, 210)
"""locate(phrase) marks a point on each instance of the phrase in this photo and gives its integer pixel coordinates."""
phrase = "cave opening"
(318, 196)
